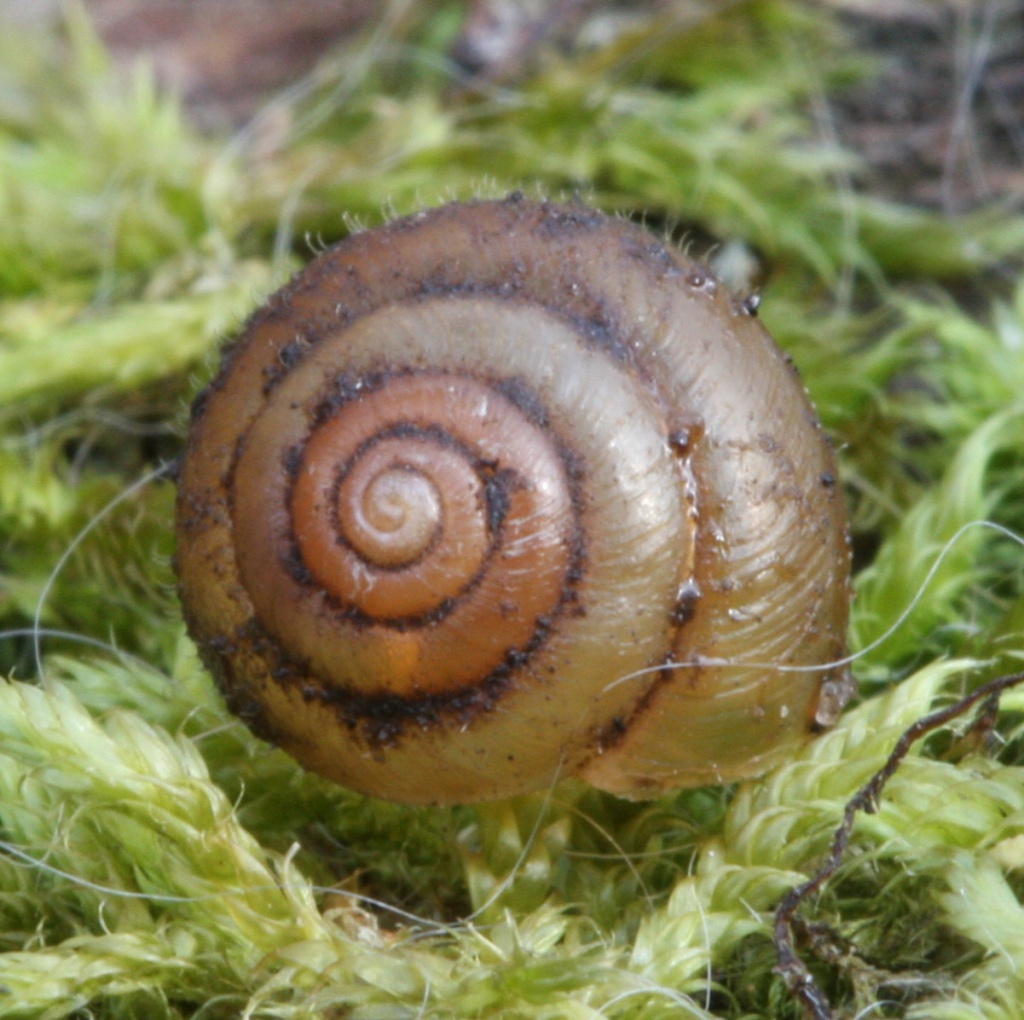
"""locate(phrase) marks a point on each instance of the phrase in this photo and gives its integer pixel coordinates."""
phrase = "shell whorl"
(468, 471)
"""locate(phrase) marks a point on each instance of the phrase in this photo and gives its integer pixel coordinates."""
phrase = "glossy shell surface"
(508, 491)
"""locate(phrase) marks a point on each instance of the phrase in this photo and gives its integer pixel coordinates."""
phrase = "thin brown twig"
(793, 970)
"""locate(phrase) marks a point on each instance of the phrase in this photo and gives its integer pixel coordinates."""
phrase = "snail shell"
(508, 491)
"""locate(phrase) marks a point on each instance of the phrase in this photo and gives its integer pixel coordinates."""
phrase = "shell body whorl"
(505, 491)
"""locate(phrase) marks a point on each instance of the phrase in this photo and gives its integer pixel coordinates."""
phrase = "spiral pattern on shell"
(507, 491)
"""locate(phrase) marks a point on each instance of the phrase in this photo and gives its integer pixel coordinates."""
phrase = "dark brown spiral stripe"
(469, 488)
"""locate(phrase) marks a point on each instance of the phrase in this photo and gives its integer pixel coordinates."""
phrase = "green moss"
(159, 861)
